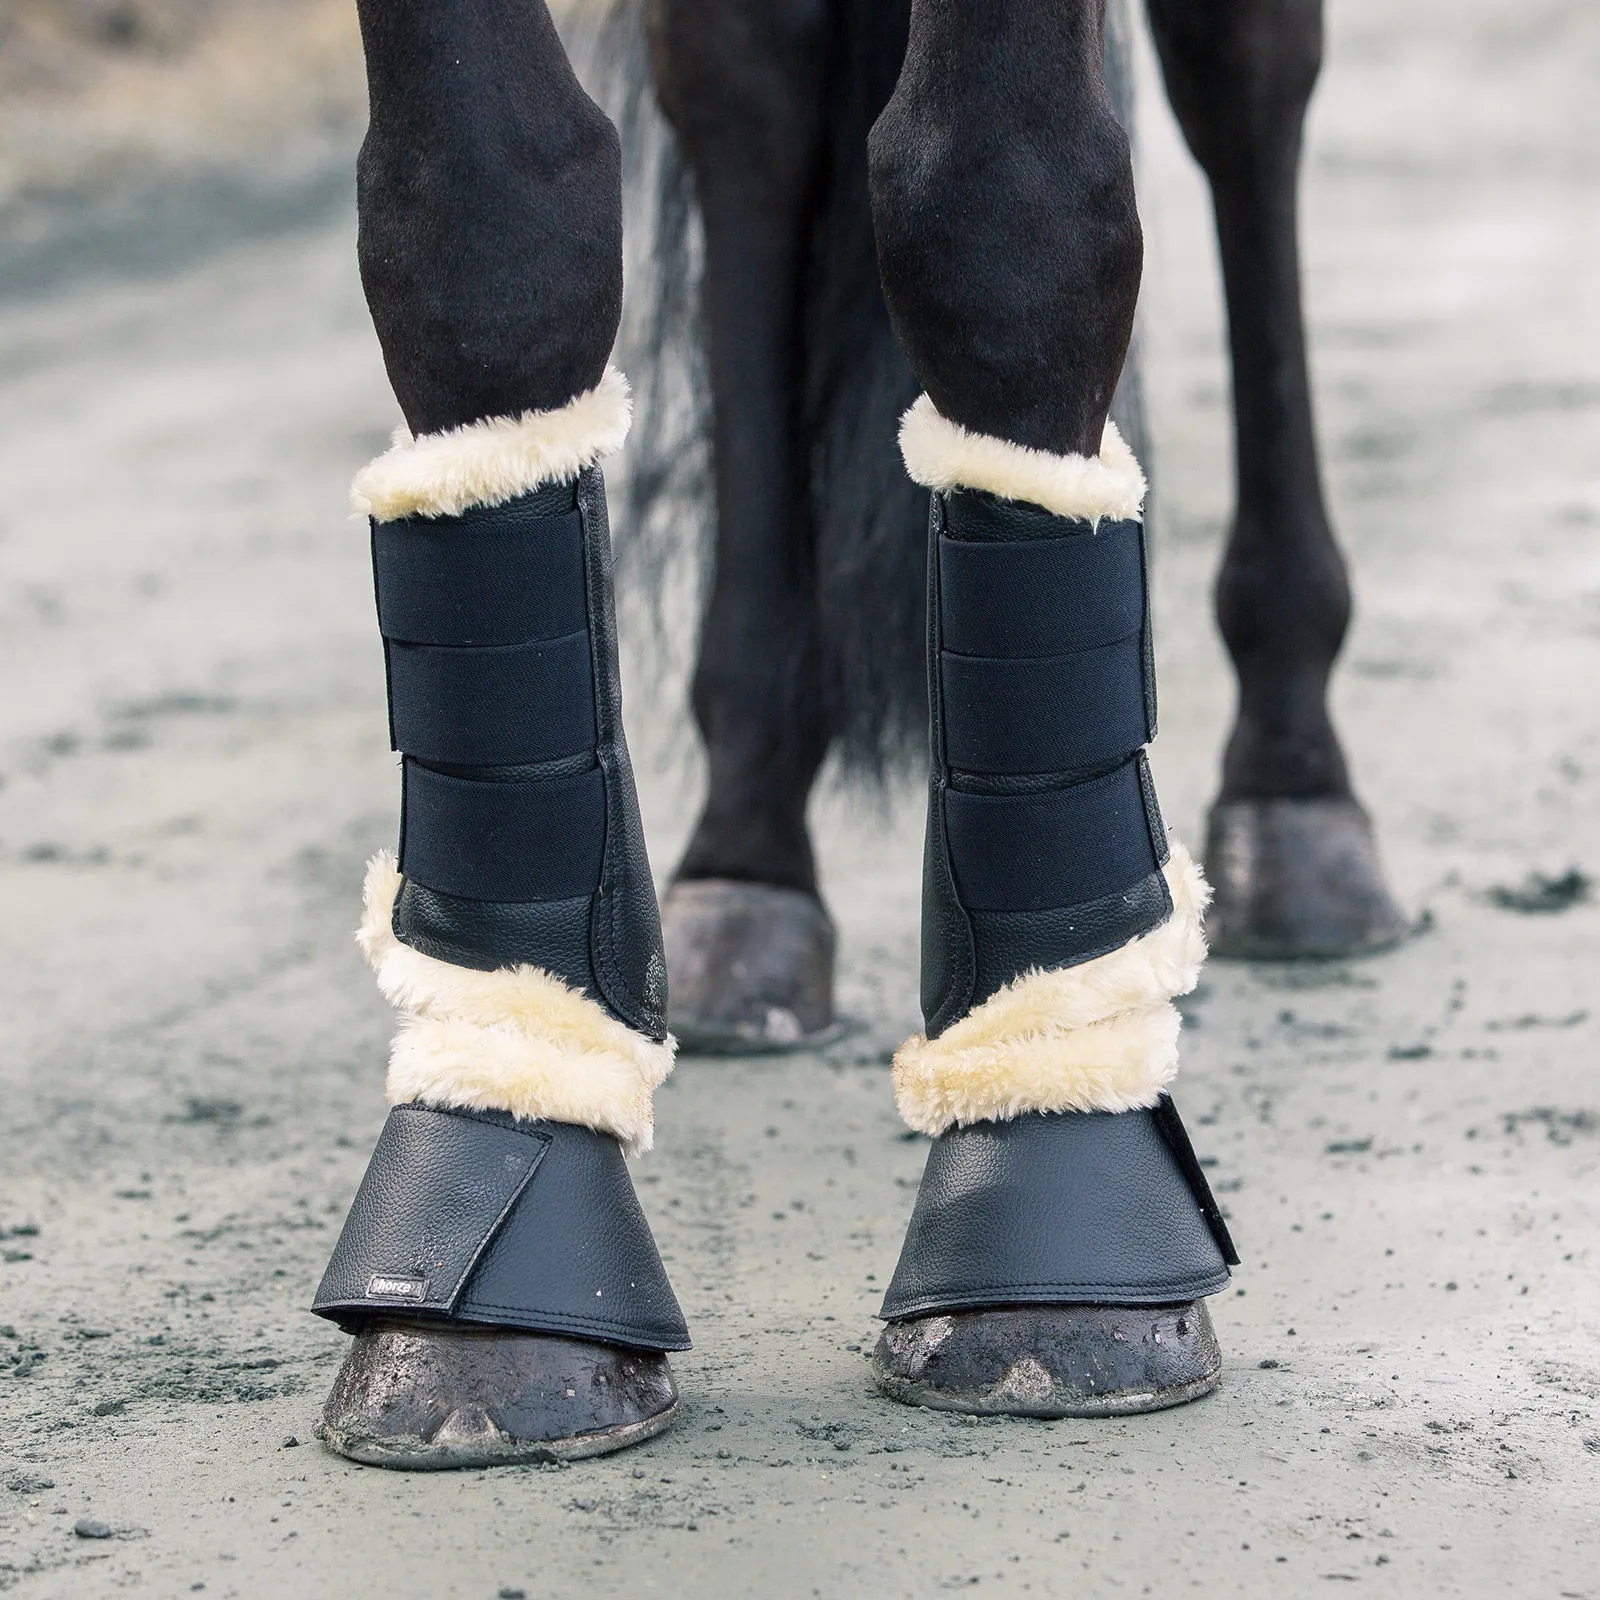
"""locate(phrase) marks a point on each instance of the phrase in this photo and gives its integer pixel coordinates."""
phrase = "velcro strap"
(504, 575)
(502, 705)
(1044, 715)
(519, 839)
(1060, 847)
(1042, 597)
(437, 1190)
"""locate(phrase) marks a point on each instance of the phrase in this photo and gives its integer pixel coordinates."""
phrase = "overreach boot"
(1064, 1236)
(505, 1293)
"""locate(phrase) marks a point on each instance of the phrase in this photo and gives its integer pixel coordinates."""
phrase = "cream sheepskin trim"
(940, 454)
(516, 1040)
(490, 462)
(1102, 1036)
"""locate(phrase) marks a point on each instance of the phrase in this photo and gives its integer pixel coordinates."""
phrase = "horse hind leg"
(505, 1294)
(749, 943)
(1290, 850)
(1064, 1238)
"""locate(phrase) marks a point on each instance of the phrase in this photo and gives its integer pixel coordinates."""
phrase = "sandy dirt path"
(194, 769)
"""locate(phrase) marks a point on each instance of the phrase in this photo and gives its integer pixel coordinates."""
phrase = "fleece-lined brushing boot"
(506, 1295)
(1064, 1235)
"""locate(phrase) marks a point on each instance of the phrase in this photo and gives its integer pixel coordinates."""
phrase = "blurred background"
(194, 766)
(133, 131)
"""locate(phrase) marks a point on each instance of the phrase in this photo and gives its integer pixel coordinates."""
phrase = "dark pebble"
(91, 1528)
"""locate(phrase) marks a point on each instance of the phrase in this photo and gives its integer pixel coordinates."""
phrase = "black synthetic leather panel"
(487, 840)
(1009, 943)
(577, 1255)
(1043, 851)
(1045, 714)
(1152, 810)
(625, 933)
(506, 575)
(476, 1217)
(975, 514)
(1050, 1209)
(489, 934)
(1043, 597)
(494, 706)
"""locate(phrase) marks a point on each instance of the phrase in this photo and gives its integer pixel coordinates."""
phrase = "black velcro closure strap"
(502, 705)
(503, 575)
(435, 1193)
(1173, 1131)
(1059, 847)
(1049, 714)
(1042, 597)
(520, 839)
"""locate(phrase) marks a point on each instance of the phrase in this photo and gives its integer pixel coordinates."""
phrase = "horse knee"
(741, 82)
(1009, 240)
(1239, 73)
(489, 201)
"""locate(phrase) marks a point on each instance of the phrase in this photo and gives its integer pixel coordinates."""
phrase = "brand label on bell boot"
(385, 1288)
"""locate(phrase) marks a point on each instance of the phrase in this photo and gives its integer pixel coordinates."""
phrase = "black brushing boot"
(500, 1278)
(1064, 1236)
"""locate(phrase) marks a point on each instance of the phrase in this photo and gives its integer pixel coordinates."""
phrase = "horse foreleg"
(1290, 850)
(507, 1300)
(1063, 1236)
(749, 944)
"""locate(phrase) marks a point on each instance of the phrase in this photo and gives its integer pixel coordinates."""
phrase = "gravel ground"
(195, 768)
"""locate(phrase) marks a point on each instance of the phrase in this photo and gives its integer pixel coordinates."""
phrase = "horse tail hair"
(870, 519)
(660, 487)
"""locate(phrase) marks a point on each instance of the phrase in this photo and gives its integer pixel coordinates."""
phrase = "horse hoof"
(421, 1397)
(1296, 878)
(1051, 1360)
(749, 966)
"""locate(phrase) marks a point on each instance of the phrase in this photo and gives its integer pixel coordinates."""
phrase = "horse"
(919, 227)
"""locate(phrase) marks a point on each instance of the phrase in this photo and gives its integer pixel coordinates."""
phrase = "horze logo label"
(382, 1288)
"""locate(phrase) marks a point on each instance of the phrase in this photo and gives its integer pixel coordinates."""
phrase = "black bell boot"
(506, 1296)
(1064, 1236)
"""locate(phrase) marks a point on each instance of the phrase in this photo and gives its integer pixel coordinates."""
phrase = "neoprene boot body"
(506, 1295)
(1064, 1235)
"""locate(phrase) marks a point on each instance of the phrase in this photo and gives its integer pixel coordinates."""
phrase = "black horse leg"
(1064, 1237)
(1290, 850)
(749, 944)
(497, 1272)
